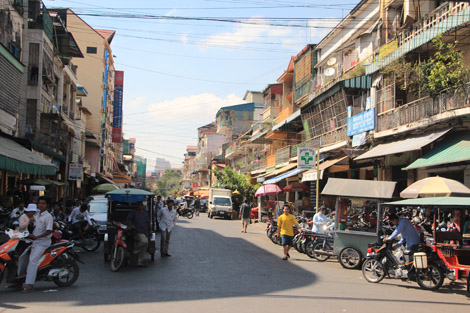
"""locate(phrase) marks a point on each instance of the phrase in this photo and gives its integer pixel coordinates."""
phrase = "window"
(91, 50)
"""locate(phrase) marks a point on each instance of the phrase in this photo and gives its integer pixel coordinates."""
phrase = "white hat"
(31, 208)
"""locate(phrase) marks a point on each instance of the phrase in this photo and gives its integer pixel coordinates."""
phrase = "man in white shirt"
(319, 221)
(16, 213)
(80, 219)
(42, 234)
(166, 219)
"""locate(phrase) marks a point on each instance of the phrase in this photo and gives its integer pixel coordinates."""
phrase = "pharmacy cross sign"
(306, 158)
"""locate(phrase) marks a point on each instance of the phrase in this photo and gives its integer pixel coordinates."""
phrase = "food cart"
(356, 216)
(447, 237)
(121, 203)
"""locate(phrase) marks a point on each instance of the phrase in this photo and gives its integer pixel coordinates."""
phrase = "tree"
(229, 179)
(169, 184)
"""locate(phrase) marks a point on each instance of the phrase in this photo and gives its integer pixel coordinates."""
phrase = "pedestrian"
(167, 218)
(159, 204)
(285, 228)
(139, 221)
(245, 214)
(197, 206)
(236, 209)
(42, 234)
(319, 221)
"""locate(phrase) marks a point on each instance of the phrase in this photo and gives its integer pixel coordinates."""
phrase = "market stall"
(356, 215)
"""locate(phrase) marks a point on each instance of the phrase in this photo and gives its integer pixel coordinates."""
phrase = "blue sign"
(361, 122)
(117, 108)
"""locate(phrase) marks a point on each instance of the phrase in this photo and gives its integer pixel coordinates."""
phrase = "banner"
(361, 122)
(117, 105)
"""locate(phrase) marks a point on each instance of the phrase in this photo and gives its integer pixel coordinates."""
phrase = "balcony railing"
(271, 113)
(283, 155)
(284, 114)
(424, 108)
(256, 165)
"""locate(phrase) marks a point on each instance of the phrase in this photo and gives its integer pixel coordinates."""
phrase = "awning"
(435, 201)
(104, 178)
(289, 119)
(120, 178)
(311, 175)
(16, 158)
(400, 146)
(283, 176)
(456, 149)
(358, 188)
(259, 136)
(257, 172)
(282, 170)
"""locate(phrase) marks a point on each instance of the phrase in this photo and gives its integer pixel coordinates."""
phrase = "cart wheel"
(350, 258)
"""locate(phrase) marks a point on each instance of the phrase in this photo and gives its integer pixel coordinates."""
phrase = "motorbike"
(118, 251)
(321, 248)
(59, 262)
(186, 211)
(92, 237)
(426, 268)
(271, 227)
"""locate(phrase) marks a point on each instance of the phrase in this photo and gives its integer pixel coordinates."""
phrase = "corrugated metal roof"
(434, 201)
(457, 149)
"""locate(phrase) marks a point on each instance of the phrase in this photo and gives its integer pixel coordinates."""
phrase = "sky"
(183, 60)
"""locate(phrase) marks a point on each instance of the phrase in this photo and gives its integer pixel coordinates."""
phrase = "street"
(216, 268)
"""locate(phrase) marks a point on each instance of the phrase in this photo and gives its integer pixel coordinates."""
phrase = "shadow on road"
(203, 265)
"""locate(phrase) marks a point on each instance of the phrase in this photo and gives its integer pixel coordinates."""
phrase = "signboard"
(358, 140)
(117, 105)
(75, 171)
(361, 122)
(306, 158)
(388, 48)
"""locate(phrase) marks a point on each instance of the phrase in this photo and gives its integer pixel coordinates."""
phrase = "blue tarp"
(276, 179)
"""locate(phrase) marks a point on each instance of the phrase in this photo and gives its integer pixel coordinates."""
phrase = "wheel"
(373, 271)
(430, 278)
(350, 258)
(309, 249)
(276, 239)
(296, 243)
(92, 242)
(318, 247)
(69, 272)
(117, 258)
(190, 215)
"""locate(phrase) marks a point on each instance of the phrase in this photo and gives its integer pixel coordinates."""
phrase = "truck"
(220, 203)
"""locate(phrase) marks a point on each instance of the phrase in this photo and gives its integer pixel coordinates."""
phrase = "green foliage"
(406, 74)
(229, 179)
(446, 69)
(169, 184)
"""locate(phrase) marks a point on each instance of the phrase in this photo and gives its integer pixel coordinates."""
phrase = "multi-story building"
(209, 146)
(189, 166)
(161, 165)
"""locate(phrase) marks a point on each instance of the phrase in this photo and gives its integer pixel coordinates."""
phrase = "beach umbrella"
(435, 187)
(269, 189)
(104, 188)
(296, 187)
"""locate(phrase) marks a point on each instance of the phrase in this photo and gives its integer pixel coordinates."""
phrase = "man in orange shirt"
(285, 227)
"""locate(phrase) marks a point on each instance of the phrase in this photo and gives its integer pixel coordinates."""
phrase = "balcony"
(271, 160)
(284, 114)
(256, 165)
(424, 111)
(270, 114)
(283, 155)
(444, 18)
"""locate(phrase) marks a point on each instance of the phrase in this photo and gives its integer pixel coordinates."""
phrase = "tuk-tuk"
(121, 203)
(445, 231)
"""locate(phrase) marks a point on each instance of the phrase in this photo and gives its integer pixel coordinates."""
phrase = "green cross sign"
(307, 158)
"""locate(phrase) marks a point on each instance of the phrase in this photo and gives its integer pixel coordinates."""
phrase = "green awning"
(455, 149)
(16, 158)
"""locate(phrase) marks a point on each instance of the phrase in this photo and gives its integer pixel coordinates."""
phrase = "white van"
(220, 203)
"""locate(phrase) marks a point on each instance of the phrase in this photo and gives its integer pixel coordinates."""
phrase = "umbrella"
(104, 188)
(435, 187)
(269, 189)
(295, 187)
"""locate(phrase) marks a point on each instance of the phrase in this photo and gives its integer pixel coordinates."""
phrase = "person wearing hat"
(139, 221)
(27, 218)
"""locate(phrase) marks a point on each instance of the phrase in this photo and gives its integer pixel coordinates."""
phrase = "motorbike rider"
(319, 221)
(16, 213)
(42, 240)
(80, 220)
(27, 219)
(139, 221)
(409, 235)
(57, 213)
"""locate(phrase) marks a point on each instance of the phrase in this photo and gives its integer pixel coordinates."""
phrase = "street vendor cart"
(448, 236)
(356, 216)
(121, 203)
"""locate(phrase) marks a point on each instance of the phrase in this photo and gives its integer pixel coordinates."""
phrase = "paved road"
(216, 268)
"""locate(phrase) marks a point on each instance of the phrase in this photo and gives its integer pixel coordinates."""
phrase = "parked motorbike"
(426, 268)
(92, 237)
(59, 262)
(119, 249)
(321, 248)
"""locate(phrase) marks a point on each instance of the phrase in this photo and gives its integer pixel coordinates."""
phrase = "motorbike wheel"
(430, 278)
(92, 242)
(297, 243)
(117, 258)
(373, 271)
(318, 247)
(69, 265)
(276, 239)
(190, 215)
(350, 258)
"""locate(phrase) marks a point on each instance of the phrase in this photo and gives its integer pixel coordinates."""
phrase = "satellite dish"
(331, 61)
(330, 71)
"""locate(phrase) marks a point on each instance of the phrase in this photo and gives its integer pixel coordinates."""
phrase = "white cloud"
(136, 102)
(320, 28)
(245, 33)
(200, 108)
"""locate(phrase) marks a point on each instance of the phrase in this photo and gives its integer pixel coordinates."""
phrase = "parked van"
(220, 203)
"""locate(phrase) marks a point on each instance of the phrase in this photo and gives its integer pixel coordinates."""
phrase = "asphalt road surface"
(216, 268)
